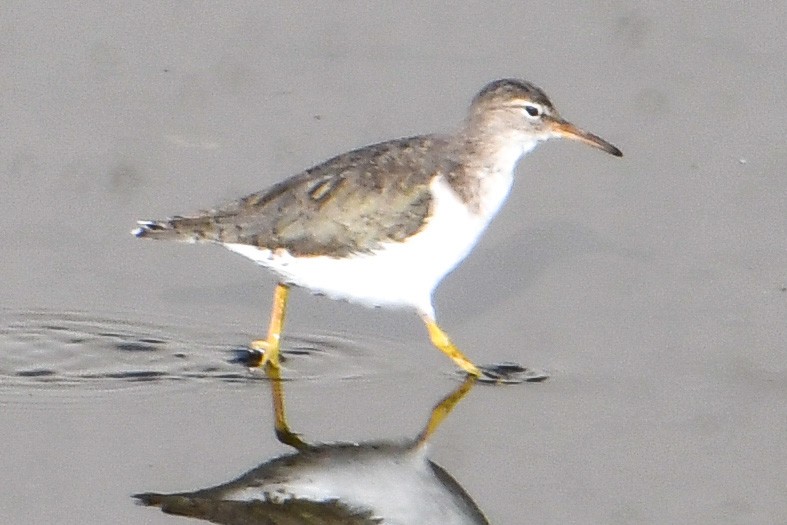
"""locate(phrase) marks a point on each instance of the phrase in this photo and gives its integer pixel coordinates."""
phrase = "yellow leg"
(441, 341)
(444, 407)
(270, 346)
(283, 432)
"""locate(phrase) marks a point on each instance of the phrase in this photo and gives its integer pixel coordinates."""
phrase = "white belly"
(397, 274)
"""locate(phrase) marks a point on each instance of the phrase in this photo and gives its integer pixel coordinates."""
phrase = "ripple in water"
(57, 348)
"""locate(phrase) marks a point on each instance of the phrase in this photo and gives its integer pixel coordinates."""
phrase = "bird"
(382, 225)
(348, 483)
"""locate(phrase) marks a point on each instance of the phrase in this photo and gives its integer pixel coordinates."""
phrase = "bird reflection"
(327, 484)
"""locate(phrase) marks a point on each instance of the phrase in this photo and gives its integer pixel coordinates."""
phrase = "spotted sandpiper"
(382, 225)
(355, 483)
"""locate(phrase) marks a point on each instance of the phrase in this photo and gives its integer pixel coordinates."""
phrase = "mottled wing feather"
(215, 508)
(351, 203)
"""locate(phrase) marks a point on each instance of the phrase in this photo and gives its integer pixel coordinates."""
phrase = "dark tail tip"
(150, 499)
(146, 228)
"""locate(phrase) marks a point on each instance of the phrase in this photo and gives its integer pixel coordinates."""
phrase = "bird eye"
(533, 111)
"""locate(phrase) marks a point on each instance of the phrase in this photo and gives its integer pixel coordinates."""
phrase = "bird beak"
(565, 129)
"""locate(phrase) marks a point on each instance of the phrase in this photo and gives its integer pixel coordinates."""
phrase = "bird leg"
(443, 343)
(270, 347)
(444, 407)
(283, 432)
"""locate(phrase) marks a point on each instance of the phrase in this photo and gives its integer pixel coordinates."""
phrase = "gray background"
(651, 287)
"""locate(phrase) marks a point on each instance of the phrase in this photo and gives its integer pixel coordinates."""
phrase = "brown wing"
(351, 203)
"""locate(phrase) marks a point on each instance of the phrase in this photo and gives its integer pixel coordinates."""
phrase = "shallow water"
(76, 349)
(651, 288)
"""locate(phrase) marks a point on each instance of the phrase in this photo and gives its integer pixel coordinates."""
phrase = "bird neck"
(482, 163)
(486, 144)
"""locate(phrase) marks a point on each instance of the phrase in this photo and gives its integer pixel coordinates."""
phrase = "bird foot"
(261, 353)
(510, 373)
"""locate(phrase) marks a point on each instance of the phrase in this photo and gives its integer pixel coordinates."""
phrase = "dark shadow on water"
(347, 483)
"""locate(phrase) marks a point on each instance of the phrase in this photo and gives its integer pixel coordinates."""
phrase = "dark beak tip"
(616, 152)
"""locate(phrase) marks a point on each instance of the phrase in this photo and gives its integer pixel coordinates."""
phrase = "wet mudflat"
(652, 288)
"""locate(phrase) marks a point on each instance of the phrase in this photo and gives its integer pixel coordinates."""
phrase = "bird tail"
(185, 229)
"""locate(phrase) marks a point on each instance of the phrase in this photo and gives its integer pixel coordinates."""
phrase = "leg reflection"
(283, 432)
(445, 407)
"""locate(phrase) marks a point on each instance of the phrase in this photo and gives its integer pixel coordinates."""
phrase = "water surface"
(651, 287)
